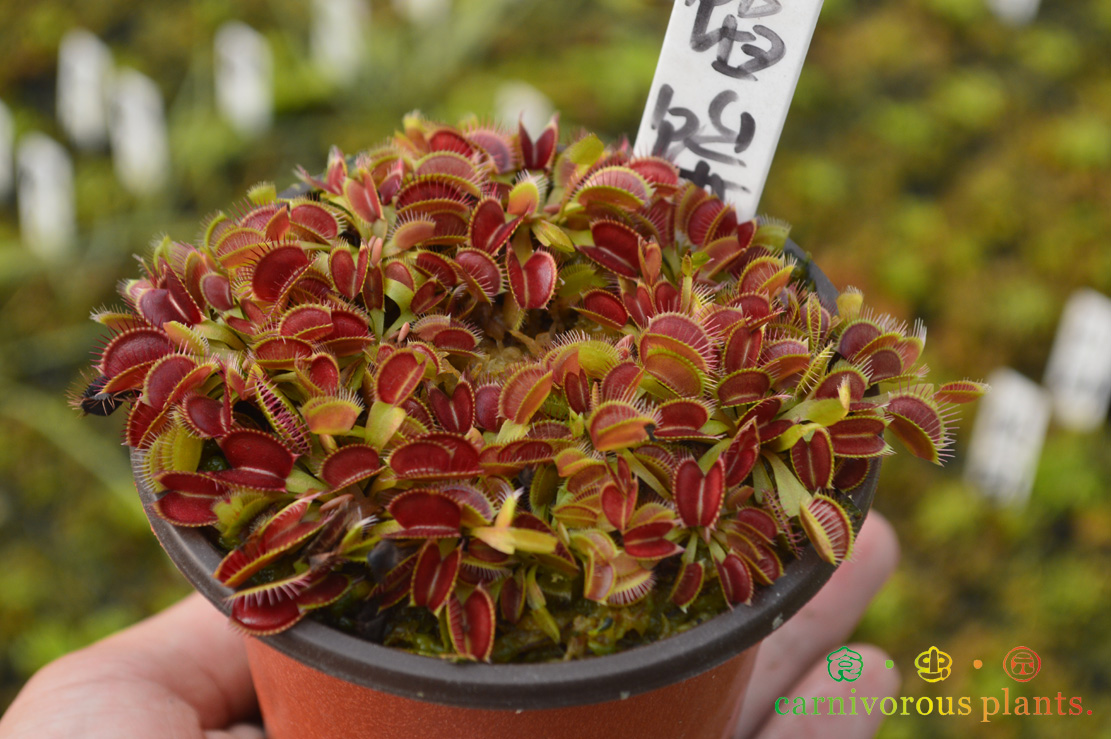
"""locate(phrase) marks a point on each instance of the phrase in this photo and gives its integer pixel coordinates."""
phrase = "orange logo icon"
(933, 665)
(1022, 664)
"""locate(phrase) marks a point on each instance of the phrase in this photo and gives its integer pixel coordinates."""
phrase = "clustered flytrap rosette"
(469, 378)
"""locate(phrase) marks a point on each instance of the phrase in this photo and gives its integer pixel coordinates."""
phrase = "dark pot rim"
(518, 686)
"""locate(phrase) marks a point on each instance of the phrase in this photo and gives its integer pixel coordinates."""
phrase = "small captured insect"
(383, 558)
(96, 402)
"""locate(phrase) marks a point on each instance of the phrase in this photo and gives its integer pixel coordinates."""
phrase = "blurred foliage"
(952, 167)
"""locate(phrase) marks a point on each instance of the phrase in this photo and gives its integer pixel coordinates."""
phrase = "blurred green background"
(953, 167)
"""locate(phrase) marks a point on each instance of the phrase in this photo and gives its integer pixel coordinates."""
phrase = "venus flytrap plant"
(503, 401)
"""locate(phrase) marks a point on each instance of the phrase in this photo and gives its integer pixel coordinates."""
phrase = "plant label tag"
(338, 38)
(140, 150)
(521, 102)
(45, 193)
(7, 140)
(84, 73)
(1015, 12)
(244, 78)
(1079, 373)
(1007, 437)
(423, 12)
(723, 84)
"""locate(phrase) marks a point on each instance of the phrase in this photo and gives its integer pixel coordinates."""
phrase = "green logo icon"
(844, 665)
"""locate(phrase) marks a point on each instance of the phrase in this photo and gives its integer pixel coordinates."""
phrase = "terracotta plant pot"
(314, 681)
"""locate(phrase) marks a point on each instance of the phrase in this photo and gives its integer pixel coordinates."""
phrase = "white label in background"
(724, 82)
(423, 12)
(140, 151)
(1015, 12)
(1007, 437)
(45, 193)
(7, 141)
(1079, 373)
(339, 38)
(244, 78)
(521, 102)
(84, 72)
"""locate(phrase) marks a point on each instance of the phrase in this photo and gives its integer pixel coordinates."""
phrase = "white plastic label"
(244, 78)
(1007, 437)
(723, 85)
(1015, 12)
(7, 141)
(1079, 373)
(45, 193)
(423, 12)
(84, 72)
(140, 150)
(521, 102)
(338, 40)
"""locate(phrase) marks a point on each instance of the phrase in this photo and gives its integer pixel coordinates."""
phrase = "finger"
(823, 623)
(239, 731)
(858, 714)
(191, 651)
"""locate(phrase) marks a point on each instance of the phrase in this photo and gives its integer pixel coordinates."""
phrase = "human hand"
(181, 674)
(791, 661)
